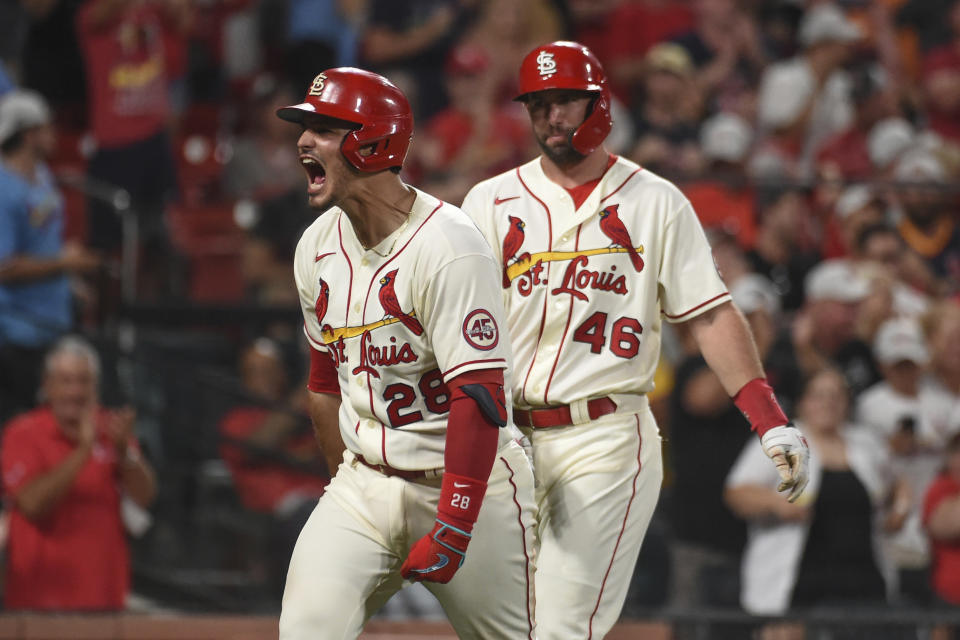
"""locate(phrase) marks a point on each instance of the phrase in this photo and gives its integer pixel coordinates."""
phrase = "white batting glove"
(787, 447)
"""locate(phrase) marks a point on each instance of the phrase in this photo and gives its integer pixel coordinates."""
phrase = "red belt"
(405, 474)
(561, 416)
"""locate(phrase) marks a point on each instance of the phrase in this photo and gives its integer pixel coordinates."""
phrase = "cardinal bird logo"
(613, 228)
(321, 307)
(390, 304)
(511, 244)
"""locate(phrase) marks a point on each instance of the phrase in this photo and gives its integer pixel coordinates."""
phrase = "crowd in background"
(819, 143)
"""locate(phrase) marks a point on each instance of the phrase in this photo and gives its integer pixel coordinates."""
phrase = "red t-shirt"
(946, 554)
(76, 557)
(732, 210)
(127, 74)
(945, 58)
(635, 27)
(506, 141)
(846, 153)
(262, 486)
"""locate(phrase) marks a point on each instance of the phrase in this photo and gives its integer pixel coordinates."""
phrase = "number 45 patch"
(480, 330)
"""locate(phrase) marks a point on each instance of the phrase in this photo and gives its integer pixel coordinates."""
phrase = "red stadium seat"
(212, 243)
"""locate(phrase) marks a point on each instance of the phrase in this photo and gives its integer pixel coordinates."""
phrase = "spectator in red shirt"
(845, 155)
(723, 198)
(127, 49)
(477, 136)
(273, 457)
(66, 469)
(941, 82)
(941, 517)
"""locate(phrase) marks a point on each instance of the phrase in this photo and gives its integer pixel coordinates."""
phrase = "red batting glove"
(436, 556)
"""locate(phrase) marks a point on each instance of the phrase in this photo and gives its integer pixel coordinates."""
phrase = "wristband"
(758, 404)
(460, 500)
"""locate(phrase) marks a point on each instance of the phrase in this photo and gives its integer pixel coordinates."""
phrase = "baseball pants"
(597, 488)
(346, 563)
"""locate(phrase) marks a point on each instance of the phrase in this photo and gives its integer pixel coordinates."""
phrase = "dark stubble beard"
(565, 156)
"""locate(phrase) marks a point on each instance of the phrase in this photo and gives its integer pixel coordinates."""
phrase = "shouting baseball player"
(403, 309)
(595, 252)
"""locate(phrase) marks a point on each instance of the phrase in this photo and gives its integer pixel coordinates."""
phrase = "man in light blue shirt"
(35, 298)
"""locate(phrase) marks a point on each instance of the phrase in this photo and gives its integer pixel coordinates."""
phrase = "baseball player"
(595, 253)
(402, 306)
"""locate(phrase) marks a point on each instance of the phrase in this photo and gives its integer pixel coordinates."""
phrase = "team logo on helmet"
(317, 86)
(546, 65)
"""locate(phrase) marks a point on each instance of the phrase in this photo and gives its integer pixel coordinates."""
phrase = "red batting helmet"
(570, 65)
(365, 99)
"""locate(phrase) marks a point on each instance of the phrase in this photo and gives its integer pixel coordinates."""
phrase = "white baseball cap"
(888, 139)
(753, 292)
(853, 199)
(835, 280)
(827, 23)
(22, 109)
(919, 165)
(900, 339)
(785, 91)
(726, 136)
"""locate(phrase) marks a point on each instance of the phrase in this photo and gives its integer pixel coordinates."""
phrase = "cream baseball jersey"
(399, 320)
(586, 289)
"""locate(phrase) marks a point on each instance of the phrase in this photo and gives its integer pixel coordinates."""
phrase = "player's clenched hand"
(787, 447)
(437, 556)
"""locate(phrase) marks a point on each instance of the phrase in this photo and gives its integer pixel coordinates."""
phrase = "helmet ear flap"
(595, 127)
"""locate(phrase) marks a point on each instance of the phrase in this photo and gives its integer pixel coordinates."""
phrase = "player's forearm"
(22, 269)
(727, 345)
(39, 496)
(324, 413)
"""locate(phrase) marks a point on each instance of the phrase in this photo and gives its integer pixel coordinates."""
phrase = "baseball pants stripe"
(598, 487)
(346, 562)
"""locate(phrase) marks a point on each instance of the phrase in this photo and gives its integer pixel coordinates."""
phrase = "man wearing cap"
(804, 100)
(898, 411)
(667, 116)
(595, 254)
(724, 198)
(35, 301)
(825, 330)
(929, 226)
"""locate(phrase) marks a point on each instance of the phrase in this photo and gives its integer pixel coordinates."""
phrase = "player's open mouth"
(316, 174)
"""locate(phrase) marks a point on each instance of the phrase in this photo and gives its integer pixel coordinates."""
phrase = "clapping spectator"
(824, 550)
(897, 411)
(66, 469)
(129, 78)
(805, 100)
(36, 304)
(727, 51)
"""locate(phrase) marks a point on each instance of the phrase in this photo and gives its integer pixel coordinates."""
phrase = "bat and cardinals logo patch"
(529, 270)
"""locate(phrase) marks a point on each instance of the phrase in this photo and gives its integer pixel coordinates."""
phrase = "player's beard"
(562, 156)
